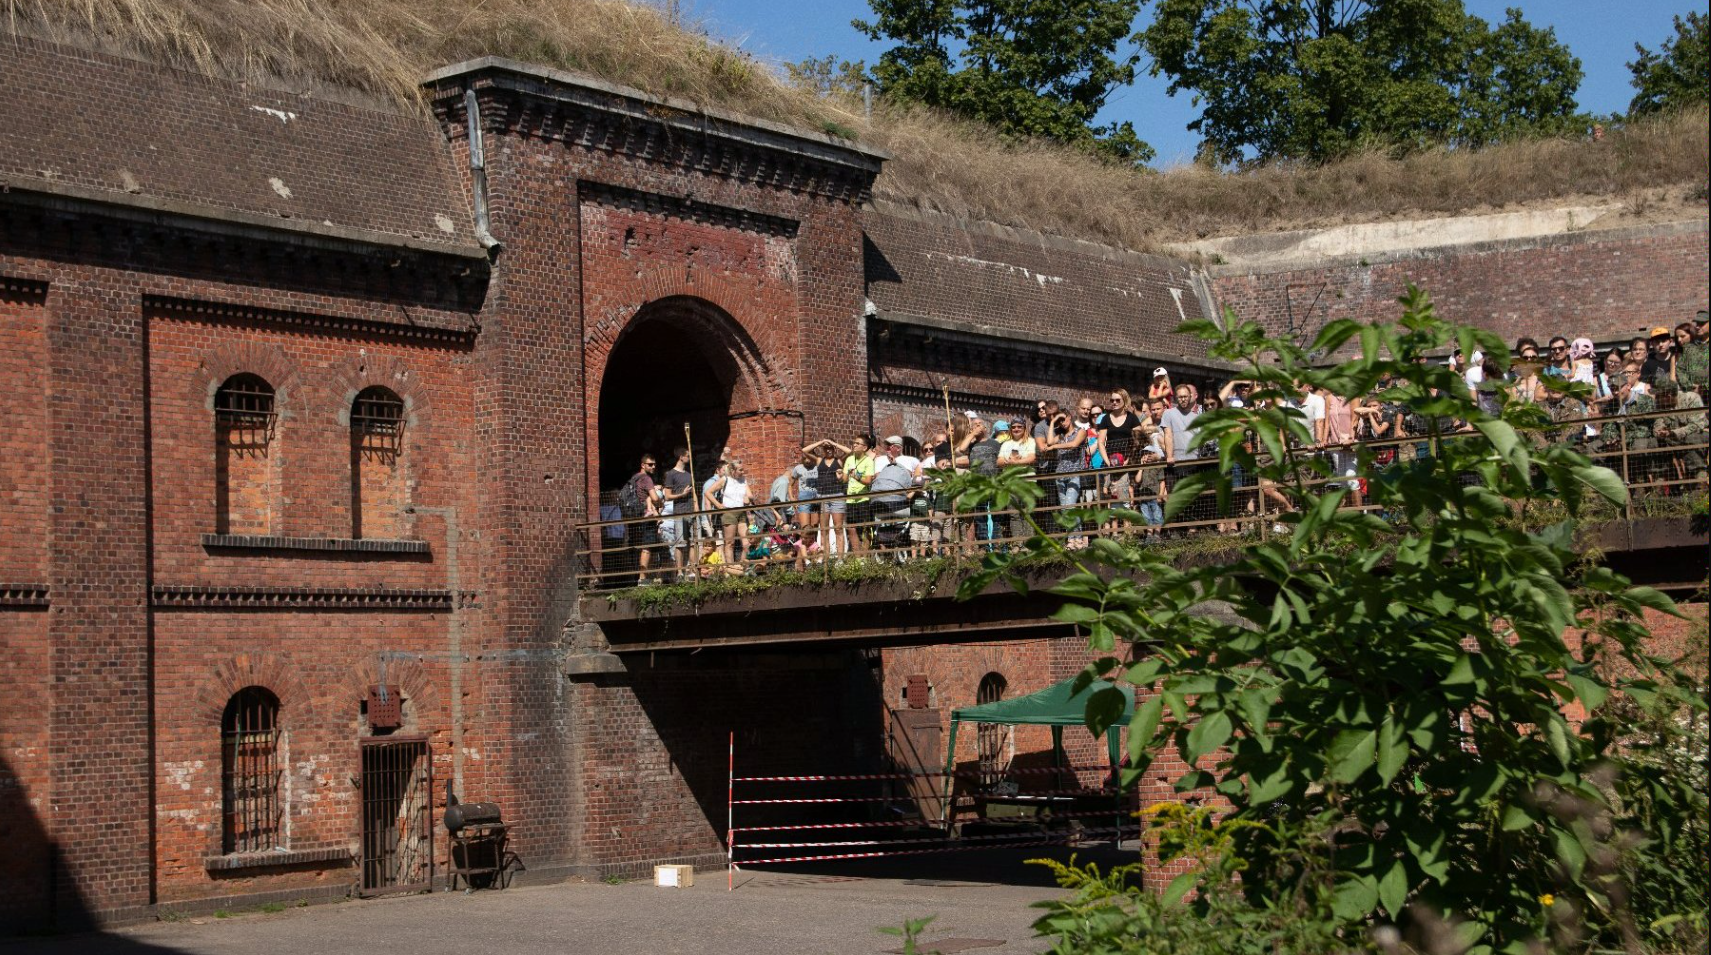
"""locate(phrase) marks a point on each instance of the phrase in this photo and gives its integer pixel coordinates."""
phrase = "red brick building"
(303, 402)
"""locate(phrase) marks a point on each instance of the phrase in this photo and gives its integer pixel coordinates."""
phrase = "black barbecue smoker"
(480, 852)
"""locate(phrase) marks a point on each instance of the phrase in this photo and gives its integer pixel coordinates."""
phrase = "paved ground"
(978, 897)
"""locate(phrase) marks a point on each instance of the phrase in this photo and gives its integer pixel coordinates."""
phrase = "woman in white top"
(732, 491)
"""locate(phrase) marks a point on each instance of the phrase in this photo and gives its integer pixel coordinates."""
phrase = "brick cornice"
(23, 595)
(198, 597)
(190, 309)
(525, 100)
(352, 545)
(27, 291)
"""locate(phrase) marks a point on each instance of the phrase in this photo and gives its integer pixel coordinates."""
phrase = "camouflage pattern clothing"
(1693, 366)
(1688, 426)
(1640, 431)
(1567, 413)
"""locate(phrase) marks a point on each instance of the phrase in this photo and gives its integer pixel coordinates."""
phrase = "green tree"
(1311, 79)
(1383, 703)
(1031, 68)
(829, 74)
(1678, 74)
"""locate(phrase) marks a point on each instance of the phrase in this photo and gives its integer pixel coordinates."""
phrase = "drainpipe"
(478, 173)
(454, 635)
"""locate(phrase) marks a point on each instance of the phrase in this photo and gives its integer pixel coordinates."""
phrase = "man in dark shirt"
(1657, 365)
(679, 497)
(643, 535)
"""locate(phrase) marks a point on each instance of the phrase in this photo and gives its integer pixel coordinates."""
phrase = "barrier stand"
(884, 848)
(730, 810)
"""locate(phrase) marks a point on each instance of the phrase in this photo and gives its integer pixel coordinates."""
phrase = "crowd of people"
(1128, 451)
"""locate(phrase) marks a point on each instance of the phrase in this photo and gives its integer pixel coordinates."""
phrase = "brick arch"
(266, 670)
(409, 676)
(365, 371)
(267, 361)
(753, 367)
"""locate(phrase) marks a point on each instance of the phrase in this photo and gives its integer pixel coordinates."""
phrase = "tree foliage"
(1031, 68)
(1312, 79)
(1384, 706)
(1679, 74)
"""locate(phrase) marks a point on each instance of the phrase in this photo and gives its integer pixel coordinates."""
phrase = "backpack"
(630, 497)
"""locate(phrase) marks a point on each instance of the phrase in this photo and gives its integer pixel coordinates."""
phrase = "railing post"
(1627, 479)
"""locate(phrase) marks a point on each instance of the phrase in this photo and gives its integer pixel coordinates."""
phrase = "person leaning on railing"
(1686, 428)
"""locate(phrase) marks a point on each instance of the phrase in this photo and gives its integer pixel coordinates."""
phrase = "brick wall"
(1609, 286)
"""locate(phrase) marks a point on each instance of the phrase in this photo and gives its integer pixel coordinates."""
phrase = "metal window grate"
(377, 419)
(250, 772)
(992, 739)
(244, 411)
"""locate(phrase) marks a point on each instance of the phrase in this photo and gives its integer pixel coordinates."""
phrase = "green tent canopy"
(1057, 706)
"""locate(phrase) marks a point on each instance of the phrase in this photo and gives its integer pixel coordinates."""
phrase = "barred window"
(244, 411)
(377, 420)
(250, 774)
(993, 739)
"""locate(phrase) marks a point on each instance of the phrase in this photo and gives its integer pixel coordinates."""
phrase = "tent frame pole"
(950, 780)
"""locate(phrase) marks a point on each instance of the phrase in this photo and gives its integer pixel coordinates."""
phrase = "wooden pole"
(693, 558)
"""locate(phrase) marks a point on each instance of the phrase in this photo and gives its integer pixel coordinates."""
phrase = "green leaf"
(1506, 441)
(1556, 734)
(1145, 672)
(1569, 852)
(1179, 887)
(1187, 491)
(1351, 753)
(1517, 817)
(1393, 888)
(1607, 483)
(1654, 600)
(1212, 732)
(1144, 724)
(1355, 897)
(1104, 709)
(1392, 750)
(1589, 691)
(1271, 782)
(1076, 614)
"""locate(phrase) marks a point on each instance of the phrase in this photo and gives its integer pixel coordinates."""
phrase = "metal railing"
(919, 523)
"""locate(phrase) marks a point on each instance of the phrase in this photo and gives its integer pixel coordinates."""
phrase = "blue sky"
(1601, 32)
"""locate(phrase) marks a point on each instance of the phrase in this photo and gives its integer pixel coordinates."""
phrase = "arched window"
(377, 481)
(249, 772)
(992, 739)
(244, 419)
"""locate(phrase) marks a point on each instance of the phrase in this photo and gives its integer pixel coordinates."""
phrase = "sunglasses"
(1559, 348)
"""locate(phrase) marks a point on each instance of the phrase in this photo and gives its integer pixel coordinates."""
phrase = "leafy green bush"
(1387, 695)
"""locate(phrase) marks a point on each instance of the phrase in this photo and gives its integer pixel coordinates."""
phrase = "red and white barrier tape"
(1035, 795)
(917, 823)
(919, 852)
(876, 776)
(921, 842)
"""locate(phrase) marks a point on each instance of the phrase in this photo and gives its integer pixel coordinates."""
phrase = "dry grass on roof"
(380, 49)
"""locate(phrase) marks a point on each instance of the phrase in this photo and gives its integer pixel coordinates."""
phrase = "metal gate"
(397, 815)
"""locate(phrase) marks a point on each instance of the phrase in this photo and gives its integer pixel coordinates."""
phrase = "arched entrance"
(680, 360)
